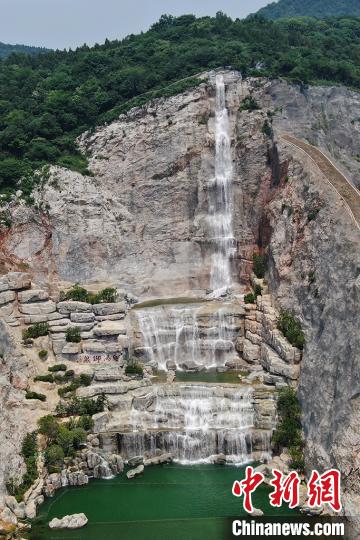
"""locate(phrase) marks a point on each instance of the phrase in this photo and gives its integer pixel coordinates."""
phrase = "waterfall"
(220, 199)
(180, 337)
(194, 422)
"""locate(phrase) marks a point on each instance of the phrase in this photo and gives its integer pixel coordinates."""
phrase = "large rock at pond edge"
(135, 472)
(75, 521)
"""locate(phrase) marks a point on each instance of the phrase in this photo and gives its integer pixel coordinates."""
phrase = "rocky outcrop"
(75, 521)
(135, 472)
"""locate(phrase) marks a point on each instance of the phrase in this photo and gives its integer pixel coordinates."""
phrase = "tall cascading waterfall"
(220, 199)
(194, 423)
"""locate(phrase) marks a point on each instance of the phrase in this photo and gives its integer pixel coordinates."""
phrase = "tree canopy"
(7, 49)
(47, 100)
(310, 8)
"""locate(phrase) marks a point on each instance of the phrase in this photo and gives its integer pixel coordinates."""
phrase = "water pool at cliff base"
(168, 502)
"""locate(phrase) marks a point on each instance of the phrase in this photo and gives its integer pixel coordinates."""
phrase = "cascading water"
(220, 199)
(194, 423)
(184, 338)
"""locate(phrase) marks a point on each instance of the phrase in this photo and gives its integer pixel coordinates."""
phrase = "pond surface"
(208, 376)
(169, 502)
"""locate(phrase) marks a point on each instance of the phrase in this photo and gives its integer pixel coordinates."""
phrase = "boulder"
(116, 463)
(219, 459)
(59, 322)
(71, 306)
(135, 472)
(108, 373)
(256, 512)
(30, 509)
(4, 284)
(8, 516)
(159, 460)
(6, 297)
(32, 295)
(109, 309)
(135, 461)
(251, 352)
(110, 328)
(74, 521)
(71, 348)
(82, 317)
(93, 459)
(78, 478)
(18, 280)
(39, 308)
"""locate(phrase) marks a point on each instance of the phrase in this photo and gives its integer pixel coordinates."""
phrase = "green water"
(169, 502)
(209, 376)
(169, 302)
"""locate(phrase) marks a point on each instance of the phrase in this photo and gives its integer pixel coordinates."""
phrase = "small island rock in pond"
(75, 521)
(135, 472)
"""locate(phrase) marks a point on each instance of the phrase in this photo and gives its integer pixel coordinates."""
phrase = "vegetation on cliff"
(18, 487)
(310, 8)
(49, 99)
(291, 328)
(288, 433)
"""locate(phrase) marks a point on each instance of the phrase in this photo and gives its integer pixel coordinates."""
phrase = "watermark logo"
(321, 489)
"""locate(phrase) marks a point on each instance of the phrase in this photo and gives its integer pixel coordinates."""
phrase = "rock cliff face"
(140, 223)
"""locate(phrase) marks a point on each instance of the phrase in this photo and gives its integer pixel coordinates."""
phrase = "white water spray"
(220, 199)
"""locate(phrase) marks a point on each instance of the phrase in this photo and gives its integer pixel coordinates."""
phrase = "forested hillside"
(6, 49)
(310, 8)
(47, 100)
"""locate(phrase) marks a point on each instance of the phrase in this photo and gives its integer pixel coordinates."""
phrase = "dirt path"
(345, 189)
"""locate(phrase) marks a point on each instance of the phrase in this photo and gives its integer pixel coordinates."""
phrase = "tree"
(49, 427)
(54, 454)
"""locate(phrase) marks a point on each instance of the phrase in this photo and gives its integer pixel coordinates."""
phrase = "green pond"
(168, 502)
(208, 376)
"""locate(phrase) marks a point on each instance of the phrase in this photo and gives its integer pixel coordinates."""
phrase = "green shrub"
(57, 367)
(249, 104)
(134, 369)
(266, 129)
(291, 328)
(81, 406)
(86, 422)
(311, 277)
(313, 214)
(108, 295)
(76, 293)
(69, 374)
(79, 437)
(258, 290)
(29, 446)
(259, 265)
(35, 331)
(250, 298)
(54, 454)
(45, 378)
(35, 395)
(73, 334)
(49, 427)
(79, 294)
(288, 433)
(82, 380)
(43, 354)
